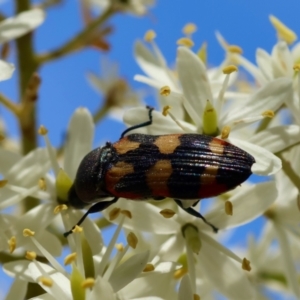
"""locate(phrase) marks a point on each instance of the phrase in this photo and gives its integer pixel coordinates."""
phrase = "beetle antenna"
(144, 124)
(196, 214)
(95, 208)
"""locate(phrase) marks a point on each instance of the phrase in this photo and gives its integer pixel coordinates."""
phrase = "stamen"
(235, 49)
(228, 208)
(149, 36)
(46, 281)
(225, 132)
(196, 297)
(189, 29)
(42, 184)
(114, 213)
(166, 111)
(27, 232)
(167, 213)
(165, 91)
(88, 283)
(12, 244)
(30, 255)
(229, 69)
(60, 208)
(246, 265)
(42, 130)
(77, 229)
(180, 273)
(268, 114)
(149, 268)
(70, 258)
(126, 213)
(132, 240)
(283, 31)
(119, 247)
(296, 67)
(185, 42)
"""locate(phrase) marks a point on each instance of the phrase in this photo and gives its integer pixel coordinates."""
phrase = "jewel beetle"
(141, 167)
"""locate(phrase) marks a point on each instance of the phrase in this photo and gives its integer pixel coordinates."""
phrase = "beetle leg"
(196, 214)
(140, 125)
(99, 206)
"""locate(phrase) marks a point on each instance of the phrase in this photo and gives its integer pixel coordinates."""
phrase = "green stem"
(76, 42)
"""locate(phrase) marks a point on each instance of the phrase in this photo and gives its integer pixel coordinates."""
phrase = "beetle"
(140, 167)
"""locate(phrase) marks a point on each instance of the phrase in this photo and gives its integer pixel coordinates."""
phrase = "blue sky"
(64, 84)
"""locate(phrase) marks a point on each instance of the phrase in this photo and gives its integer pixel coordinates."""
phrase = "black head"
(89, 184)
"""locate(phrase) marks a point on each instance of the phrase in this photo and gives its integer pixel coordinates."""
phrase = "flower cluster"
(166, 253)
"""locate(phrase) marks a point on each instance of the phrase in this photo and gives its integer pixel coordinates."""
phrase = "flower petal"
(185, 288)
(6, 70)
(102, 290)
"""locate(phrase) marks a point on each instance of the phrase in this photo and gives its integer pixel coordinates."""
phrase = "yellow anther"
(119, 247)
(150, 35)
(196, 297)
(225, 132)
(268, 114)
(114, 213)
(180, 273)
(46, 281)
(12, 244)
(42, 184)
(70, 258)
(88, 283)
(185, 42)
(235, 49)
(228, 208)
(3, 183)
(59, 208)
(149, 268)
(77, 229)
(296, 67)
(42, 130)
(167, 213)
(126, 213)
(246, 264)
(230, 69)
(166, 109)
(132, 240)
(283, 31)
(189, 28)
(27, 232)
(30, 255)
(165, 91)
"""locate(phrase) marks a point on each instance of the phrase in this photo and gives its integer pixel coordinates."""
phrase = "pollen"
(167, 213)
(42, 184)
(149, 36)
(230, 69)
(88, 283)
(180, 273)
(70, 258)
(268, 114)
(185, 42)
(77, 229)
(189, 28)
(235, 49)
(132, 240)
(60, 208)
(119, 247)
(166, 110)
(27, 232)
(3, 183)
(165, 91)
(149, 268)
(12, 244)
(228, 208)
(126, 213)
(46, 281)
(296, 67)
(30, 255)
(246, 265)
(283, 31)
(42, 130)
(225, 132)
(114, 213)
